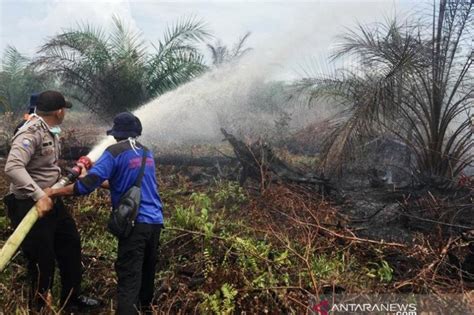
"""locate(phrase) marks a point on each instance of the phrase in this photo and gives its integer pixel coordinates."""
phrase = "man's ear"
(60, 114)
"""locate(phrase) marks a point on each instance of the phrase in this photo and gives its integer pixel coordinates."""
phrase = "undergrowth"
(228, 250)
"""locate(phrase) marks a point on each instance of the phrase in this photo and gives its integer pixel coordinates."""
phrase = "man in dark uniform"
(137, 254)
(32, 166)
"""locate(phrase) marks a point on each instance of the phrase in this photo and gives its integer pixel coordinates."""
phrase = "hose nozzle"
(74, 172)
(84, 160)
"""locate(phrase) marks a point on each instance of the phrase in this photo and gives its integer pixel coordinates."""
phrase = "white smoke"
(221, 97)
(197, 110)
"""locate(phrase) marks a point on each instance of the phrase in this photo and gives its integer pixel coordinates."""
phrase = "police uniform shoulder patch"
(29, 127)
(26, 143)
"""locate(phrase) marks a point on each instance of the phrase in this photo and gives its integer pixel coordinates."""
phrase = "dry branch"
(258, 161)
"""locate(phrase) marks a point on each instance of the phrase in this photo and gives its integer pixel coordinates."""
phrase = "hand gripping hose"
(15, 240)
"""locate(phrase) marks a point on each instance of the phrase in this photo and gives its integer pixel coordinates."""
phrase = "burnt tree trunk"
(258, 161)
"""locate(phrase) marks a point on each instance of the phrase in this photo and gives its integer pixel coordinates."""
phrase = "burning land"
(255, 230)
(280, 196)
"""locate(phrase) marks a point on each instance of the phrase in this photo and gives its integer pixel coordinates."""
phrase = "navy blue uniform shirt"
(120, 165)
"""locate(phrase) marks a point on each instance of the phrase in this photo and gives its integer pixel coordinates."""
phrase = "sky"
(308, 28)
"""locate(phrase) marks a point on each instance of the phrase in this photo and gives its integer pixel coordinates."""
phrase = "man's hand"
(59, 192)
(44, 205)
(105, 184)
(49, 191)
(83, 169)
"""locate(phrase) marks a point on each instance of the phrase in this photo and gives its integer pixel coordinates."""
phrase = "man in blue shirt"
(137, 254)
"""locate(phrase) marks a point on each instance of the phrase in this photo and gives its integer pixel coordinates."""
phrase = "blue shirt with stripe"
(120, 165)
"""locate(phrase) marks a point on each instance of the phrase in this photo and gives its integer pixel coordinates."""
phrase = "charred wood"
(258, 160)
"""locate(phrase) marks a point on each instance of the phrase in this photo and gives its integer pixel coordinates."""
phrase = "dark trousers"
(52, 238)
(135, 267)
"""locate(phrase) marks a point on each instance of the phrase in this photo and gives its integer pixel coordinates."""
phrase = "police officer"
(32, 165)
(137, 254)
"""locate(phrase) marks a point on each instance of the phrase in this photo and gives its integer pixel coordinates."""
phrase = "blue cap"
(33, 101)
(125, 125)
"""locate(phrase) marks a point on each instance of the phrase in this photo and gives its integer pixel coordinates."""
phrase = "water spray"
(229, 86)
(15, 240)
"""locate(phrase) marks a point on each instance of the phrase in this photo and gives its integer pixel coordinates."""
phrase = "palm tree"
(222, 54)
(17, 81)
(410, 84)
(109, 74)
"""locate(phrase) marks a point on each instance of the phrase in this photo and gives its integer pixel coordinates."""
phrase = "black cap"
(49, 101)
(125, 125)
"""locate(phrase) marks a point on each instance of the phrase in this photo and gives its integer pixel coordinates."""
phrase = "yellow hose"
(14, 241)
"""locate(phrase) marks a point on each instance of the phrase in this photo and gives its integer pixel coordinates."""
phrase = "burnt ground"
(375, 213)
(401, 215)
(423, 255)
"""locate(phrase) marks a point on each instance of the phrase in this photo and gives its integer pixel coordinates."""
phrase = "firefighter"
(31, 167)
(119, 167)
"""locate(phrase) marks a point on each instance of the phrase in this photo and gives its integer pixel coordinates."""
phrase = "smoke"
(222, 97)
(195, 112)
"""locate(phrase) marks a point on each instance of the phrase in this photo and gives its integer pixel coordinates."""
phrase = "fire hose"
(17, 237)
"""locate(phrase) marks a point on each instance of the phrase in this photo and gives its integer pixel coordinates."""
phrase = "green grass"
(209, 236)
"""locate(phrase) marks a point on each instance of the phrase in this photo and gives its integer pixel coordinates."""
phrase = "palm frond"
(13, 62)
(126, 44)
(405, 84)
(238, 48)
(186, 29)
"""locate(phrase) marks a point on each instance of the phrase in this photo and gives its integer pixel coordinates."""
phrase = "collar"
(43, 123)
